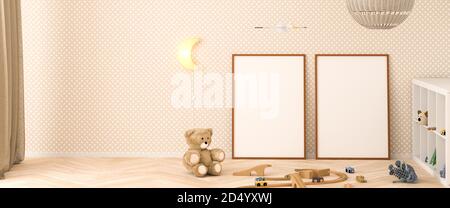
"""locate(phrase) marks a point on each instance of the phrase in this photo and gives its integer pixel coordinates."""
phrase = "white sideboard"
(432, 95)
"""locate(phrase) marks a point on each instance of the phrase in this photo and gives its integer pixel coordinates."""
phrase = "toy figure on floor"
(404, 172)
(199, 159)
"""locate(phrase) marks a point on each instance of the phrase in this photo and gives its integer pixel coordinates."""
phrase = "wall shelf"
(432, 95)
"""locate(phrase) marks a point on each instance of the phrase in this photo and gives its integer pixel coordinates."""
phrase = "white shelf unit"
(432, 95)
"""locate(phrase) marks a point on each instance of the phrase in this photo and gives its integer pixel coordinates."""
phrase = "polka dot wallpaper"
(98, 72)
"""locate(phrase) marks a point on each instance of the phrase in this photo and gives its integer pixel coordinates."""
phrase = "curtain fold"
(12, 134)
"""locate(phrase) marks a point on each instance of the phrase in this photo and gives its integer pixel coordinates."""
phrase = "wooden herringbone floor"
(169, 172)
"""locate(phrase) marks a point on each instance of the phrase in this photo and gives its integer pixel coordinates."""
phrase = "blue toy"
(442, 172)
(349, 169)
(404, 172)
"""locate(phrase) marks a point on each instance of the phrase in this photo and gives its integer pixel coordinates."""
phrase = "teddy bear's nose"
(206, 142)
(419, 119)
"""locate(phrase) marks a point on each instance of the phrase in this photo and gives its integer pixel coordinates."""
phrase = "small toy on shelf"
(404, 172)
(442, 132)
(422, 117)
(349, 169)
(426, 159)
(260, 181)
(433, 158)
(361, 179)
(442, 172)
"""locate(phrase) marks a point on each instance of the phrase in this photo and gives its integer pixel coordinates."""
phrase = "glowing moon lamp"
(184, 54)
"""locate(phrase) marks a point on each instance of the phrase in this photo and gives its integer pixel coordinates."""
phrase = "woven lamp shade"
(380, 14)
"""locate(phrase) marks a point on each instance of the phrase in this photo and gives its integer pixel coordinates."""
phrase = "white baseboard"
(396, 156)
(108, 154)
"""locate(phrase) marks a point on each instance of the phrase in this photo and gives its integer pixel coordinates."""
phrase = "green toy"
(433, 158)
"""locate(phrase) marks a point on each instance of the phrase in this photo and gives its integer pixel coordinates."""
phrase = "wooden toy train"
(295, 180)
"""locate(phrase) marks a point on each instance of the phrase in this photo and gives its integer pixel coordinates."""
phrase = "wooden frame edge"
(304, 110)
(388, 109)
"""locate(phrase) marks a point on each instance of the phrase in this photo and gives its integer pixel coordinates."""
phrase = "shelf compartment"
(440, 155)
(416, 139)
(431, 107)
(440, 112)
(423, 144)
(431, 148)
(432, 95)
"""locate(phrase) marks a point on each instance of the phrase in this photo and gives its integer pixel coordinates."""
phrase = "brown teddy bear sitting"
(199, 159)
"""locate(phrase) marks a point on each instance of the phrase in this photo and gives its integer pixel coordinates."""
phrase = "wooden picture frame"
(236, 152)
(323, 150)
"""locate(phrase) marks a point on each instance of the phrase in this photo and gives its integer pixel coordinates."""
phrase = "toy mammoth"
(404, 172)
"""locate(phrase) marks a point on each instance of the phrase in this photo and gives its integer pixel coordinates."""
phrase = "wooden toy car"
(260, 181)
(361, 179)
(349, 169)
(317, 179)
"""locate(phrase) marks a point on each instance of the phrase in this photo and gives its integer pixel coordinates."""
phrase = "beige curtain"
(12, 137)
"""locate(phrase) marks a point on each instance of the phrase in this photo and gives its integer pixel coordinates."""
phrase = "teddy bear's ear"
(189, 132)
(426, 113)
(210, 131)
(419, 112)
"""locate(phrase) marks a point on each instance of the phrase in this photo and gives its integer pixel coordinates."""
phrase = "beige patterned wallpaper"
(98, 72)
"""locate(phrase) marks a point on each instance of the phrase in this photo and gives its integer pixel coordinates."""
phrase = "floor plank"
(169, 172)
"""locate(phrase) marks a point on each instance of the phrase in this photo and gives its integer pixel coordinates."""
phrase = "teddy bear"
(200, 160)
(422, 117)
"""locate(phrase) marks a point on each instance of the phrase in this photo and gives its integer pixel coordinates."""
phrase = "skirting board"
(394, 156)
(109, 154)
(400, 156)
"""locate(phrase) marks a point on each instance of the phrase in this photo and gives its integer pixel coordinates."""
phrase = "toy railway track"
(341, 177)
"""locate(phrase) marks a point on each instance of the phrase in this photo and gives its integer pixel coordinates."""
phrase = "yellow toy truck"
(260, 181)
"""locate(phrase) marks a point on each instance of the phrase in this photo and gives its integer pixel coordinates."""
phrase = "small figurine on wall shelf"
(349, 169)
(433, 158)
(442, 132)
(404, 172)
(422, 118)
(442, 172)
